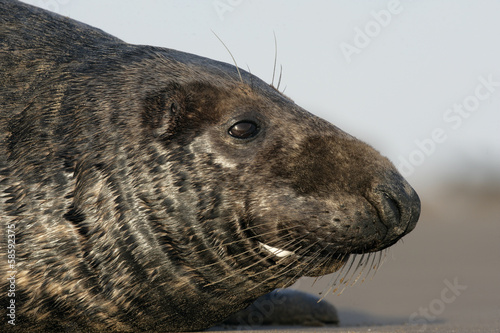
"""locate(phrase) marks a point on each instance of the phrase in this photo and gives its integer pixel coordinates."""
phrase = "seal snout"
(398, 207)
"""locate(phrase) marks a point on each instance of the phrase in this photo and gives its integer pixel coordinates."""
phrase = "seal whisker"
(242, 254)
(251, 77)
(317, 264)
(234, 60)
(243, 240)
(368, 265)
(341, 274)
(308, 261)
(346, 279)
(279, 80)
(372, 264)
(304, 262)
(297, 263)
(330, 286)
(381, 260)
(363, 263)
(360, 265)
(316, 279)
(373, 257)
(283, 270)
(275, 58)
(237, 271)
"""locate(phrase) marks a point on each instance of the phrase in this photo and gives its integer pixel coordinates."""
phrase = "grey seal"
(143, 188)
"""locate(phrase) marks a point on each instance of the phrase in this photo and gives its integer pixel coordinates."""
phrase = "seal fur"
(151, 189)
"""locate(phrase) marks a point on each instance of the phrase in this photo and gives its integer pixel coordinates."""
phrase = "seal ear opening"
(162, 110)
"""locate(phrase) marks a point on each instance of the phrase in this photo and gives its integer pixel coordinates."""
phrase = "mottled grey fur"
(136, 204)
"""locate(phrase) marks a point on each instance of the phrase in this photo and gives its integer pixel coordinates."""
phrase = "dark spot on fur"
(77, 218)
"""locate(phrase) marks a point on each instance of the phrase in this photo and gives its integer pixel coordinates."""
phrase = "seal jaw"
(328, 263)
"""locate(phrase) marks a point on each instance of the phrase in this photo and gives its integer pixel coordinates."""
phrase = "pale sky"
(418, 80)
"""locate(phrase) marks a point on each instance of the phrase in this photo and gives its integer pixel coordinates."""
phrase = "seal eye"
(244, 129)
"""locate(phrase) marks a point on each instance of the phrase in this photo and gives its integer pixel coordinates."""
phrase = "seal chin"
(276, 251)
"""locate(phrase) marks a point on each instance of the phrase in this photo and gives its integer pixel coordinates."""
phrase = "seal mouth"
(307, 258)
(280, 253)
(313, 265)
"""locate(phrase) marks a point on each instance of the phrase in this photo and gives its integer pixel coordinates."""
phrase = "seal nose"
(398, 206)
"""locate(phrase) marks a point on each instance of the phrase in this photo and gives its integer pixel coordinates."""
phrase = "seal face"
(150, 189)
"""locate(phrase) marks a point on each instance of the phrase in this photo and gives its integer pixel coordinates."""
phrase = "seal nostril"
(398, 207)
(393, 206)
(389, 209)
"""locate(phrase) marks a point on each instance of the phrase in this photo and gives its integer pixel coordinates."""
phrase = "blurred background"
(418, 80)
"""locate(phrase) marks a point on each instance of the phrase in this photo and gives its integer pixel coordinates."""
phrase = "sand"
(444, 276)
